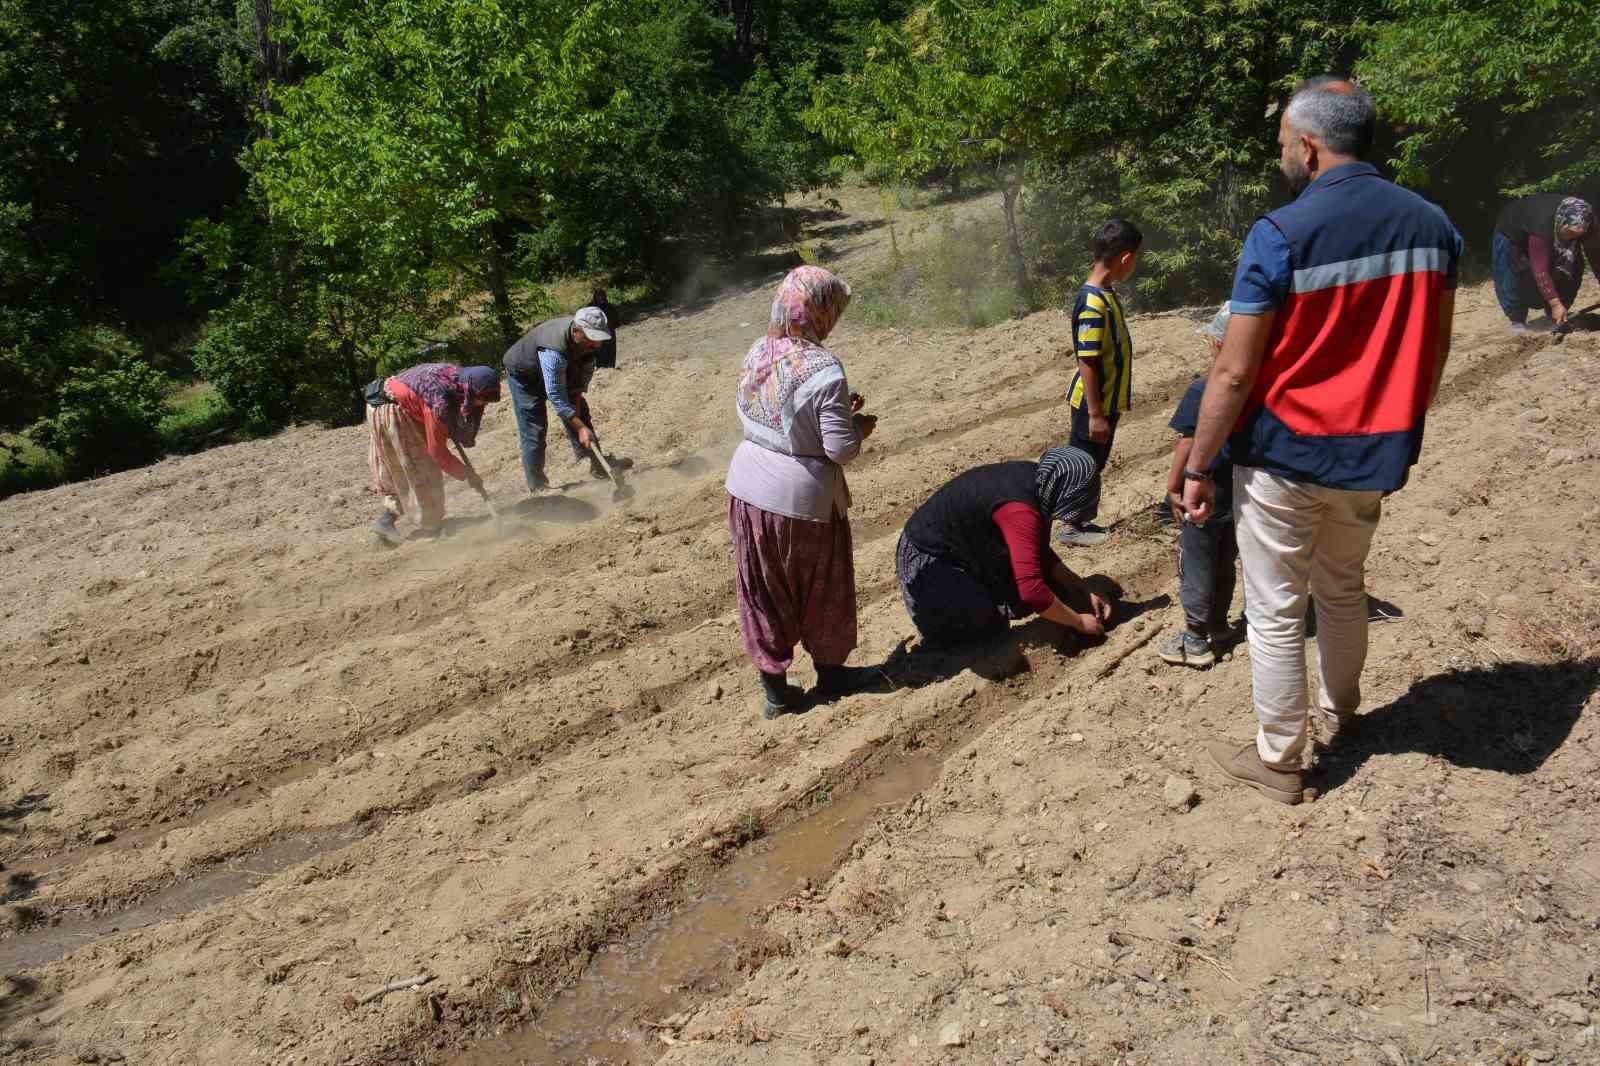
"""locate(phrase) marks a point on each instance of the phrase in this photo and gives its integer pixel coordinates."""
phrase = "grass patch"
(197, 417)
(949, 274)
(26, 467)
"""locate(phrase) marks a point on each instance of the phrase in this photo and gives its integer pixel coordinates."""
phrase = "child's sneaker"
(1185, 649)
(1085, 536)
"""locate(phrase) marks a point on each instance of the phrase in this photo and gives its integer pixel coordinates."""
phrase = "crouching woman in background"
(412, 419)
(976, 556)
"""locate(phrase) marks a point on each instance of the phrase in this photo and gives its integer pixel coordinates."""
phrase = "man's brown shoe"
(1243, 764)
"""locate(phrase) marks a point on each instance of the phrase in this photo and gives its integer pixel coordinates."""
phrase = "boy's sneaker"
(1085, 536)
(1242, 764)
(1183, 648)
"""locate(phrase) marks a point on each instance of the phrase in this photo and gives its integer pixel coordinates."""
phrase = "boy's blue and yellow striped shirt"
(1100, 331)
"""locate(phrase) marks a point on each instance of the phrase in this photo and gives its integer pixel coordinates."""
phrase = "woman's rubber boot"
(779, 697)
(385, 530)
(837, 682)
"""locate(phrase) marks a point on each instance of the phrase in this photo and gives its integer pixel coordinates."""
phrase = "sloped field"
(521, 759)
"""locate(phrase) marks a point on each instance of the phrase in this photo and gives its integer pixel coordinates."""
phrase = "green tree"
(993, 85)
(107, 418)
(1443, 67)
(428, 130)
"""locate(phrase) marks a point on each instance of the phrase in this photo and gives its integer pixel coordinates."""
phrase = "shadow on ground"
(1004, 655)
(20, 998)
(12, 814)
(1508, 718)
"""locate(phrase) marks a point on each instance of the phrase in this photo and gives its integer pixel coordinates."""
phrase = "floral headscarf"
(805, 310)
(449, 391)
(1572, 213)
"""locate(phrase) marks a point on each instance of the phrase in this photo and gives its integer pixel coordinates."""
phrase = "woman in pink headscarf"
(788, 503)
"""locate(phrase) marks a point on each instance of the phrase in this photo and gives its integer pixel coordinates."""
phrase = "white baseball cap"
(593, 322)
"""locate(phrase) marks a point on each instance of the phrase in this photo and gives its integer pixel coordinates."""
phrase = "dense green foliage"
(284, 198)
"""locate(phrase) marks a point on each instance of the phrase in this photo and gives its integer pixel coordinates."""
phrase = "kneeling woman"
(976, 556)
(1539, 246)
(412, 418)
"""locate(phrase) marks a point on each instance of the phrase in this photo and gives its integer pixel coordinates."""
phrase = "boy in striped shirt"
(1102, 387)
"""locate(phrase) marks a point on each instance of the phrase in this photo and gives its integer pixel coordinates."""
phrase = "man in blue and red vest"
(1342, 308)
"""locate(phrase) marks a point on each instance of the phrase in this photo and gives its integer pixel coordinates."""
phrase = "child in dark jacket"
(1206, 554)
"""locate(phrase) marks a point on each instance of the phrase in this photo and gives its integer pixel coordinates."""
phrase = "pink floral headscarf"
(805, 310)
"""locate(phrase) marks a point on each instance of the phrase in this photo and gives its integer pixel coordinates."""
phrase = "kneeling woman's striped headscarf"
(1068, 485)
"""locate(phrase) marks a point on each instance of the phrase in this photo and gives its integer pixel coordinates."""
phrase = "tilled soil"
(526, 760)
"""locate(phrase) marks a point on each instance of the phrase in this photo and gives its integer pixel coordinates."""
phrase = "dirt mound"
(247, 761)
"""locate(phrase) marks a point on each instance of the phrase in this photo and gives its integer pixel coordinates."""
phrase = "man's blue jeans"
(533, 429)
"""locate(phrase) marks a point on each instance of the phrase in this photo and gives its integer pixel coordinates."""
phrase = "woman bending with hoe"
(1539, 246)
(412, 418)
(788, 502)
(976, 556)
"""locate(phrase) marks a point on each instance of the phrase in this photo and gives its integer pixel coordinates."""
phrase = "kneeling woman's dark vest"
(956, 524)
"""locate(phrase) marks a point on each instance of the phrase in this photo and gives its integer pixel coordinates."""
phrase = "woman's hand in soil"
(1558, 313)
(857, 401)
(1089, 625)
(1102, 608)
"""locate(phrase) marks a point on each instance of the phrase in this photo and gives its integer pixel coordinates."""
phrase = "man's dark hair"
(1336, 111)
(1115, 237)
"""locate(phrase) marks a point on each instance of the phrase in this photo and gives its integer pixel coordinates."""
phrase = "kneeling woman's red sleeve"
(1024, 530)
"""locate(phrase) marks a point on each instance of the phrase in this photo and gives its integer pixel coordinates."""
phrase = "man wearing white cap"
(555, 361)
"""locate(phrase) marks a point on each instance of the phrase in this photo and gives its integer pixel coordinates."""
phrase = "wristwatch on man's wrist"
(1196, 475)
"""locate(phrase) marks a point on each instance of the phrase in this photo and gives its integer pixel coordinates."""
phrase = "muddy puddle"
(36, 947)
(672, 962)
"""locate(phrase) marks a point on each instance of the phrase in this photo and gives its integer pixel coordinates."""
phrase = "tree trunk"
(354, 376)
(1010, 190)
(497, 256)
(272, 60)
(497, 241)
(743, 13)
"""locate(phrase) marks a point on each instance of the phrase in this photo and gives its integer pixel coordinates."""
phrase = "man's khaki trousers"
(1295, 540)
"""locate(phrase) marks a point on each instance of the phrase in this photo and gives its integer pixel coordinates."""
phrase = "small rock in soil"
(1115, 988)
(1540, 1054)
(1534, 415)
(105, 836)
(1533, 910)
(1179, 793)
(1393, 1055)
(1000, 999)
(837, 947)
(714, 691)
(1569, 1010)
(1042, 1053)
(953, 1035)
